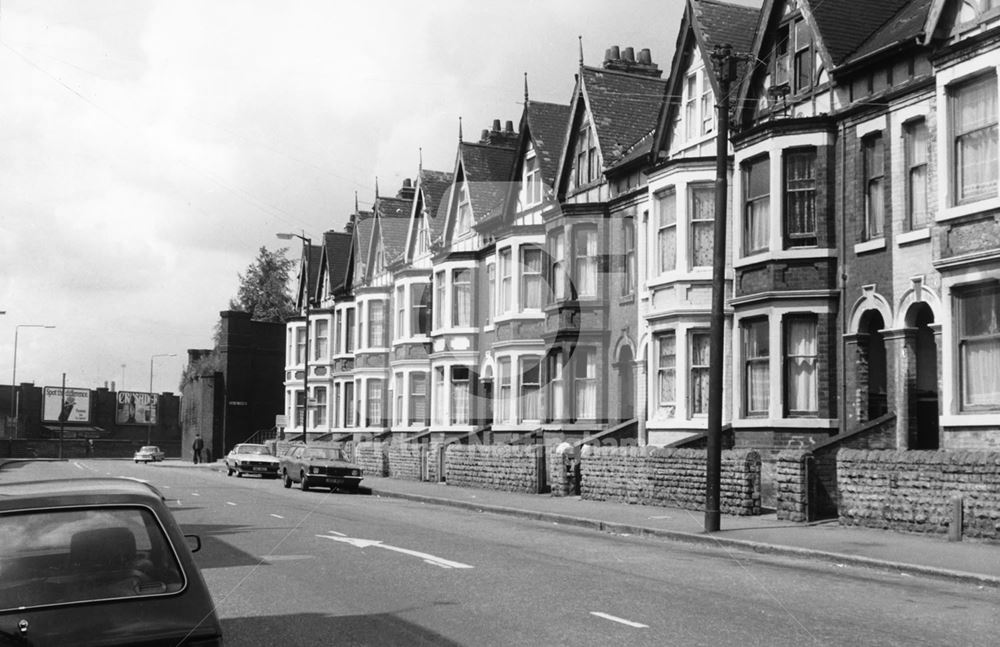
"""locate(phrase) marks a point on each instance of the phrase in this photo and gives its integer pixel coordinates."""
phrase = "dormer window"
(794, 41)
(423, 236)
(587, 163)
(532, 183)
(463, 219)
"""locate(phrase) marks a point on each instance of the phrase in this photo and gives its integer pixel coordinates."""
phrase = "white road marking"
(623, 621)
(277, 516)
(195, 494)
(334, 532)
(375, 543)
(230, 503)
(662, 516)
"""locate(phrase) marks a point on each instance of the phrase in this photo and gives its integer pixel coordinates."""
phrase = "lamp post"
(149, 410)
(14, 409)
(306, 248)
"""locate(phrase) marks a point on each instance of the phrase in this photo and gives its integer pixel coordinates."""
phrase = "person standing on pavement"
(196, 447)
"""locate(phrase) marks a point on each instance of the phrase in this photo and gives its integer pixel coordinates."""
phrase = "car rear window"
(77, 555)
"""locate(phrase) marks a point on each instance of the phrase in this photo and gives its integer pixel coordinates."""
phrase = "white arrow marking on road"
(277, 516)
(375, 543)
(623, 621)
(334, 532)
(195, 494)
(230, 503)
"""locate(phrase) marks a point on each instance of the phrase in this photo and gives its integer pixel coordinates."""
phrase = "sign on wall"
(75, 407)
(135, 408)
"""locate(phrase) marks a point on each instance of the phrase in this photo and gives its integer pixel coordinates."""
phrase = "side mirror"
(193, 542)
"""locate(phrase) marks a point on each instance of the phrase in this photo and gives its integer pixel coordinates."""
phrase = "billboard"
(135, 408)
(75, 408)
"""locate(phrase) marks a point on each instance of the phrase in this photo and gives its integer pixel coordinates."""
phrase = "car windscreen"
(74, 555)
(324, 453)
(252, 449)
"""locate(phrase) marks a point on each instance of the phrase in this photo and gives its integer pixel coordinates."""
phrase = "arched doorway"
(874, 380)
(626, 383)
(926, 382)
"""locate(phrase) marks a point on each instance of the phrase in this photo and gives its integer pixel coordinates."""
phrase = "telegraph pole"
(723, 65)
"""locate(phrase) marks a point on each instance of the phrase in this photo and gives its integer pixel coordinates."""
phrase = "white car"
(149, 453)
(249, 458)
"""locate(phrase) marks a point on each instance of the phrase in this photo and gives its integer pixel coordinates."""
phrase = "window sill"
(915, 236)
(977, 419)
(869, 246)
(785, 423)
(980, 206)
(527, 314)
(626, 300)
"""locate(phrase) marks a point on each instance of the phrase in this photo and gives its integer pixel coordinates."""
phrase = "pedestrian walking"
(196, 448)
(90, 447)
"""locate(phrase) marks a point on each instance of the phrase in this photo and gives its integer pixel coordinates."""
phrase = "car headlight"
(314, 470)
(356, 473)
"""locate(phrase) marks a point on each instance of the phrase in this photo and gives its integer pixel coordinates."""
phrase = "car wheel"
(137, 462)
(239, 474)
(352, 488)
(229, 471)
(304, 483)
(287, 480)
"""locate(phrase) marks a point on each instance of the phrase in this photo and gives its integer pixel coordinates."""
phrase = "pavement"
(968, 561)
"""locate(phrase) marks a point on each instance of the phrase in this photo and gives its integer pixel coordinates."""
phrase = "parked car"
(149, 453)
(89, 562)
(248, 458)
(310, 466)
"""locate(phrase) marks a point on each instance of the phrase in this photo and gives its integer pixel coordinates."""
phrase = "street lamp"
(149, 410)
(306, 248)
(13, 378)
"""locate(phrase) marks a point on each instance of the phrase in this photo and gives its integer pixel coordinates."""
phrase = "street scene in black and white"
(500, 323)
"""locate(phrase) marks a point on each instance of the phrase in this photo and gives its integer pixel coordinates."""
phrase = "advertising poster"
(135, 408)
(75, 408)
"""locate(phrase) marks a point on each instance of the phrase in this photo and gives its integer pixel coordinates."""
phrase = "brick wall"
(670, 477)
(791, 486)
(406, 461)
(372, 458)
(508, 468)
(912, 491)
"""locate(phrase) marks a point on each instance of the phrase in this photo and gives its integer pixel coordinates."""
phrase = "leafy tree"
(263, 290)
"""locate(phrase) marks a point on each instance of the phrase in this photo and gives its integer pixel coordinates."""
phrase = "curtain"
(459, 395)
(463, 297)
(981, 362)
(667, 235)
(758, 381)
(586, 385)
(699, 372)
(586, 263)
(702, 218)
(532, 268)
(802, 378)
(976, 139)
(916, 161)
(666, 375)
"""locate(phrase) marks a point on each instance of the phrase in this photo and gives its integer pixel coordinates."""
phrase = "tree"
(263, 290)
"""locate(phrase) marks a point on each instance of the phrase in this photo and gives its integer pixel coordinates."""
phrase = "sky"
(149, 149)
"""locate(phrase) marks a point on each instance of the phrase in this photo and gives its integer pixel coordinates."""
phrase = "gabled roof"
(906, 26)
(842, 27)
(624, 108)
(393, 233)
(311, 259)
(486, 169)
(336, 254)
(432, 189)
(546, 125)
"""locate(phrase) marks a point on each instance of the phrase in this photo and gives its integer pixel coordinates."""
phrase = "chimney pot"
(615, 53)
(486, 134)
(645, 57)
(496, 125)
(406, 183)
(629, 54)
(509, 127)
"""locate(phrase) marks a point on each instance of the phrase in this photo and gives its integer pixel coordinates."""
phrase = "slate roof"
(724, 23)
(338, 253)
(547, 125)
(364, 227)
(394, 232)
(315, 262)
(433, 187)
(624, 107)
(387, 207)
(487, 170)
(905, 26)
(844, 26)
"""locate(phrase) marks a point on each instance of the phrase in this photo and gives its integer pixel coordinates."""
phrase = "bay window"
(322, 339)
(400, 331)
(348, 404)
(801, 364)
(557, 254)
(756, 367)
(666, 370)
(503, 390)
(530, 385)
(698, 362)
(376, 412)
(800, 197)
(978, 325)
(557, 386)
(701, 214)
(585, 266)
(461, 298)
(756, 205)
(418, 399)
(320, 408)
(531, 278)
(439, 292)
(349, 332)
(491, 291)
(505, 280)
(399, 394)
(585, 383)
(338, 332)
(420, 309)
(460, 395)
(666, 235)
(376, 324)
(300, 345)
(974, 139)
(440, 395)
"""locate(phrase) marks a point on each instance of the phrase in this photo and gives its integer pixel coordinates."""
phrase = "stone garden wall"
(508, 468)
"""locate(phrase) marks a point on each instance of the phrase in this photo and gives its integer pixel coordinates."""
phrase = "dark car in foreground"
(89, 562)
(251, 458)
(312, 466)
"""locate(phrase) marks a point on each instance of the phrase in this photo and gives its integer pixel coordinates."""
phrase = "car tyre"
(229, 471)
(304, 483)
(239, 474)
(351, 488)
(287, 480)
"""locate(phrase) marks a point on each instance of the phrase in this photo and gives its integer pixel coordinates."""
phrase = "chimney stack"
(494, 136)
(407, 191)
(624, 60)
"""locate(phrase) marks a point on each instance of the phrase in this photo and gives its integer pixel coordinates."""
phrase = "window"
(461, 300)
(300, 345)
(781, 56)
(707, 112)
(531, 278)
(423, 236)
(420, 309)
(585, 383)
(338, 332)
(418, 399)
(322, 338)
(974, 125)
(532, 181)
(557, 252)
(978, 311)
(803, 56)
(586, 156)
(376, 415)
(348, 404)
(701, 212)
(691, 107)
(439, 292)
(338, 405)
(399, 395)
(505, 280)
(491, 291)
(756, 363)
(400, 313)
(800, 197)
(915, 154)
(349, 333)
(376, 324)
(460, 395)
(440, 397)
(298, 411)
(874, 178)
(666, 367)
(585, 270)
(756, 205)
(666, 235)
(319, 409)
(504, 391)
(528, 401)
(557, 387)
(699, 363)
(628, 259)
(801, 375)
(463, 219)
